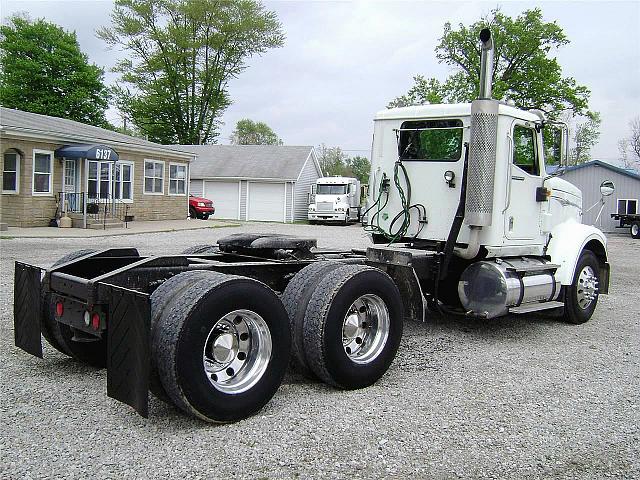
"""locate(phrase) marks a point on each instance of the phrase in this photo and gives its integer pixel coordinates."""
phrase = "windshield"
(431, 140)
(331, 189)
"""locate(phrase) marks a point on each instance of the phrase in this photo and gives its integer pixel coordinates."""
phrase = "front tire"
(353, 326)
(221, 349)
(635, 229)
(581, 297)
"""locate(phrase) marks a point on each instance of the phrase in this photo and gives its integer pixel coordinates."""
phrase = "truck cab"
(431, 141)
(335, 199)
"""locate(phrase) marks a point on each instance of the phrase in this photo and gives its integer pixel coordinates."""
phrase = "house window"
(627, 206)
(153, 177)
(11, 173)
(123, 187)
(42, 172)
(177, 179)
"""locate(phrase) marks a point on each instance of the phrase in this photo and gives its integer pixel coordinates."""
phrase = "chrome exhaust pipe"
(486, 64)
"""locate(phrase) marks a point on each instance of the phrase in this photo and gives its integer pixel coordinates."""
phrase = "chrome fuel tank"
(490, 288)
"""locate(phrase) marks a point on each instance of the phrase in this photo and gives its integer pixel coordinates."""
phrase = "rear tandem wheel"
(220, 346)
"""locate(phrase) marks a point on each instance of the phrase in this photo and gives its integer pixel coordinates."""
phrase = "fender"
(568, 240)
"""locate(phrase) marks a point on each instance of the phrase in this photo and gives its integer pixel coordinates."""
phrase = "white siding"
(588, 179)
(308, 177)
(243, 200)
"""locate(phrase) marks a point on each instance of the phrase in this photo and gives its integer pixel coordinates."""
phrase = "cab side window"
(525, 154)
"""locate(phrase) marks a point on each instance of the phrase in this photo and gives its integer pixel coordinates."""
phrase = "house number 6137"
(103, 154)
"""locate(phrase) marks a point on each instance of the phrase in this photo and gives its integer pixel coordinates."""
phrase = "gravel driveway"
(514, 397)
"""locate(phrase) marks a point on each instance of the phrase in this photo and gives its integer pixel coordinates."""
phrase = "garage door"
(225, 198)
(266, 201)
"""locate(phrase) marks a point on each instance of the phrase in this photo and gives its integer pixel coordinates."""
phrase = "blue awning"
(91, 152)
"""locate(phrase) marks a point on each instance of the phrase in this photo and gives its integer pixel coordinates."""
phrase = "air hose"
(404, 215)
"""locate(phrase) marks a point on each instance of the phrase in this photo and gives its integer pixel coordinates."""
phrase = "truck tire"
(201, 249)
(59, 335)
(581, 296)
(635, 229)
(171, 290)
(295, 299)
(353, 326)
(221, 348)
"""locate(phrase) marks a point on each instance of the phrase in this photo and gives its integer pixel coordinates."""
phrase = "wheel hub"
(225, 348)
(365, 328)
(587, 287)
(237, 351)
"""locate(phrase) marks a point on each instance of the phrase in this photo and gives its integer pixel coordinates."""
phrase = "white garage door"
(225, 198)
(266, 201)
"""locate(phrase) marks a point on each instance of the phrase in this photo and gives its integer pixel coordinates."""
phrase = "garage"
(225, 197)
(267, 183)
(266, 201)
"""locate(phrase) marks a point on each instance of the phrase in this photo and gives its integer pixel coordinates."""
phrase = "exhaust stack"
(483, 143)
(486, 64)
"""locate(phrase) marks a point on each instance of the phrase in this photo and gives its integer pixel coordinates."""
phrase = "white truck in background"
(335, 199)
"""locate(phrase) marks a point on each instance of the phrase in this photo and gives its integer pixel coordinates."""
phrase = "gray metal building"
(588, 177)
(254, 182)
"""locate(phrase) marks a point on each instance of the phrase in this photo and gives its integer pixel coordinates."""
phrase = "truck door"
(522, 212)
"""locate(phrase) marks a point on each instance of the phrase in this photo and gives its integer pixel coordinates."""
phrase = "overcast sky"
(343, 61)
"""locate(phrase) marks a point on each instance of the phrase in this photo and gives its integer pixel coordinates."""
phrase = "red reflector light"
(59, 309)
(95, 321)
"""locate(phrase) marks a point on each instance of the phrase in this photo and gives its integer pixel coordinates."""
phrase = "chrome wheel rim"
(365, 329)
(587, 287)
(634, 230)
(237, 351)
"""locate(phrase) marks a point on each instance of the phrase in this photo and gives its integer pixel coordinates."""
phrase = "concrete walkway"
(134, 228)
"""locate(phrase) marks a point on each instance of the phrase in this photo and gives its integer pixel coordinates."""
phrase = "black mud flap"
(27, 308)
(128, 347)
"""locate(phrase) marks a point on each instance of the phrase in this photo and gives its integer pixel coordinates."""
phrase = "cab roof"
(448, 110)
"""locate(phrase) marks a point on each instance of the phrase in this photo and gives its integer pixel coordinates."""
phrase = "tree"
(360, 168)
(585, 137)
(332, 160)
(248, 132)
(181, 56)
(43, 70)
(523, 69)
(629, 147)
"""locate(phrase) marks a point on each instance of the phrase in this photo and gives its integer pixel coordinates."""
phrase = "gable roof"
(599, 163)
(273, 162)
(62, 130)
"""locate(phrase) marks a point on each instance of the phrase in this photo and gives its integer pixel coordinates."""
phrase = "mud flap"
(27, 308)
(128, 346)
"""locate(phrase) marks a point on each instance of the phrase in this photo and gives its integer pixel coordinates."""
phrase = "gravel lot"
(515, 397)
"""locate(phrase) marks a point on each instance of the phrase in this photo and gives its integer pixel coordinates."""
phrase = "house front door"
(70, 185)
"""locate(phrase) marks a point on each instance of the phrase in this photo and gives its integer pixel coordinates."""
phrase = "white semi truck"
(335, 199)
(464, 220)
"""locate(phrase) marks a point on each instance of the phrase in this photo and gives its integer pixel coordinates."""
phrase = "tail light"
(95, 321)
(59, 309)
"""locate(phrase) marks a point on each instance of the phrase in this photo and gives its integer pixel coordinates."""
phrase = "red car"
(200, 207)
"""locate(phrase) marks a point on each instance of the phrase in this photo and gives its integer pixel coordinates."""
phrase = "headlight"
(201, 204)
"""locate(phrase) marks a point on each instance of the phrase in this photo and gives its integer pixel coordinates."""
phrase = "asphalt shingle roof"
(282, 162)
(72, 131)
